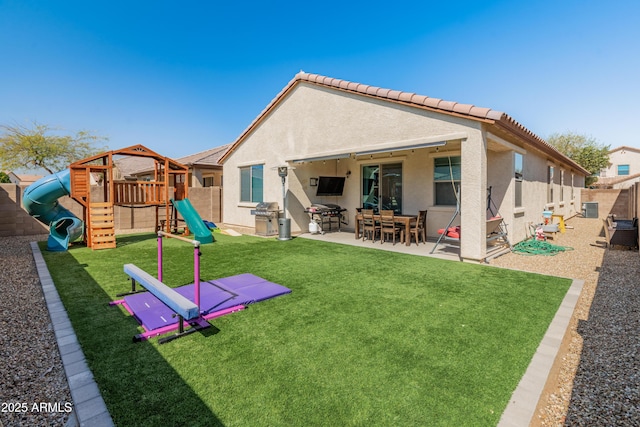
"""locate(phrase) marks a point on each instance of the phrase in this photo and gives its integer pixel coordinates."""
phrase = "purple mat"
(215, 295)
(252, 288)
(150, 311)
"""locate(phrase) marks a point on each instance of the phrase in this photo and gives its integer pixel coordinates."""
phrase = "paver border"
(89, 407)
(522, 405)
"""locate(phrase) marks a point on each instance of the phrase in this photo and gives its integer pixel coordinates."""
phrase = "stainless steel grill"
(266, 214)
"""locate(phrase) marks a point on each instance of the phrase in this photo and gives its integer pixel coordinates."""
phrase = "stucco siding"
(500, 177)
(534, 195)
(473, 188)
(630, 157)
(312, 120)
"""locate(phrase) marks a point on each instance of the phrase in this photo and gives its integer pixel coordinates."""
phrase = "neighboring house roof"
(613, 180)
(22, 179)
(494, 118)
(132, 165)
(209, 157)
(625, 148)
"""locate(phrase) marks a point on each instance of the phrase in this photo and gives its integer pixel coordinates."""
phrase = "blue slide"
(40, 200)
(193, 220)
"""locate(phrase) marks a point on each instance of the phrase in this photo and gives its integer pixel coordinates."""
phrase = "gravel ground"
(597, 383)
(33, 386)
(606, 388)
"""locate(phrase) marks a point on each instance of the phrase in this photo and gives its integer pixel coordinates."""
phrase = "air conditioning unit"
(590, 209)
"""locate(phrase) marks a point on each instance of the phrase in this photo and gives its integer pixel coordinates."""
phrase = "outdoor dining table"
(405, 220)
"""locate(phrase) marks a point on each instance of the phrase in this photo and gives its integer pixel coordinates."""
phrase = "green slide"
(193, 221)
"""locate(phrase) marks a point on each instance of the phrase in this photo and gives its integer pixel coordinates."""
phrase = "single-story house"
(397, 150)
(133, 168)
(26, 180)
(623, 170)
(204, 167)
(23, 179)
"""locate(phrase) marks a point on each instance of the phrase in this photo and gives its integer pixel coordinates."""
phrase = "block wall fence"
(623, 203)
(14, 220)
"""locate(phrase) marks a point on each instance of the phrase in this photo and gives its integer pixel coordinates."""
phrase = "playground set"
(97, 225)
(161, 309)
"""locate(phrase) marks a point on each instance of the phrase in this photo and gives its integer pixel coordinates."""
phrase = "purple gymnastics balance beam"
(217, 298)
(162, 309)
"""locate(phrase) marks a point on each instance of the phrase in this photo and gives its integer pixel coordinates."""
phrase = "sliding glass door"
(382, 187)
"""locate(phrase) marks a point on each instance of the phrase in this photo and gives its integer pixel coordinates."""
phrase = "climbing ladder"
(101, 225)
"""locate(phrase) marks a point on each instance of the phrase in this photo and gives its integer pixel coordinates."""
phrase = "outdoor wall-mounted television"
(330, 186)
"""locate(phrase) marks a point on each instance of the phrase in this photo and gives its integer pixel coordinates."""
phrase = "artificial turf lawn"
(367, 337)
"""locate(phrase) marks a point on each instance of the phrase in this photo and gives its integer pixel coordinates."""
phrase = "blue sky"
(182, 77)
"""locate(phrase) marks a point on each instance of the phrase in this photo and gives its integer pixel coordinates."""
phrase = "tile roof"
(24, 179)
(487, 115)
(613, 180)
(205, 158)
(405, 97)
(624, 148)
(131, 165)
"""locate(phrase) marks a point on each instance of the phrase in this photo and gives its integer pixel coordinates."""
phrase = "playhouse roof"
(135, 151)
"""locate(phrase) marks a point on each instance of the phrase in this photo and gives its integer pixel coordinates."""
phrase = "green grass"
(366, 338)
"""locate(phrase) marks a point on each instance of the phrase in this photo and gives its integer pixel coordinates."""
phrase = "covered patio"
(444, 250)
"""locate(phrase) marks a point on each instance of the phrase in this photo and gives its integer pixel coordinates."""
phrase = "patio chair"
(370, 227)
(420, 228)
(388, 226)
(360, 222)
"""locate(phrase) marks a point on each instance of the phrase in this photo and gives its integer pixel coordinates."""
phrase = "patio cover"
(408, 144)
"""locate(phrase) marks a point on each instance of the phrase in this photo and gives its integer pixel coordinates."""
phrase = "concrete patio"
(446, 249)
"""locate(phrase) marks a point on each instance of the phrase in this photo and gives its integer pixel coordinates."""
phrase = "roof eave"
(467, 111)
(510, 125)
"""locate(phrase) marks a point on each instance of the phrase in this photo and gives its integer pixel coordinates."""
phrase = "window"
(382, 187)
(446, 178)
(517, 166)
(572, 187)
(623, 169)
(562, 186)
(251, 184)
(550, 173)
(208, 181)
